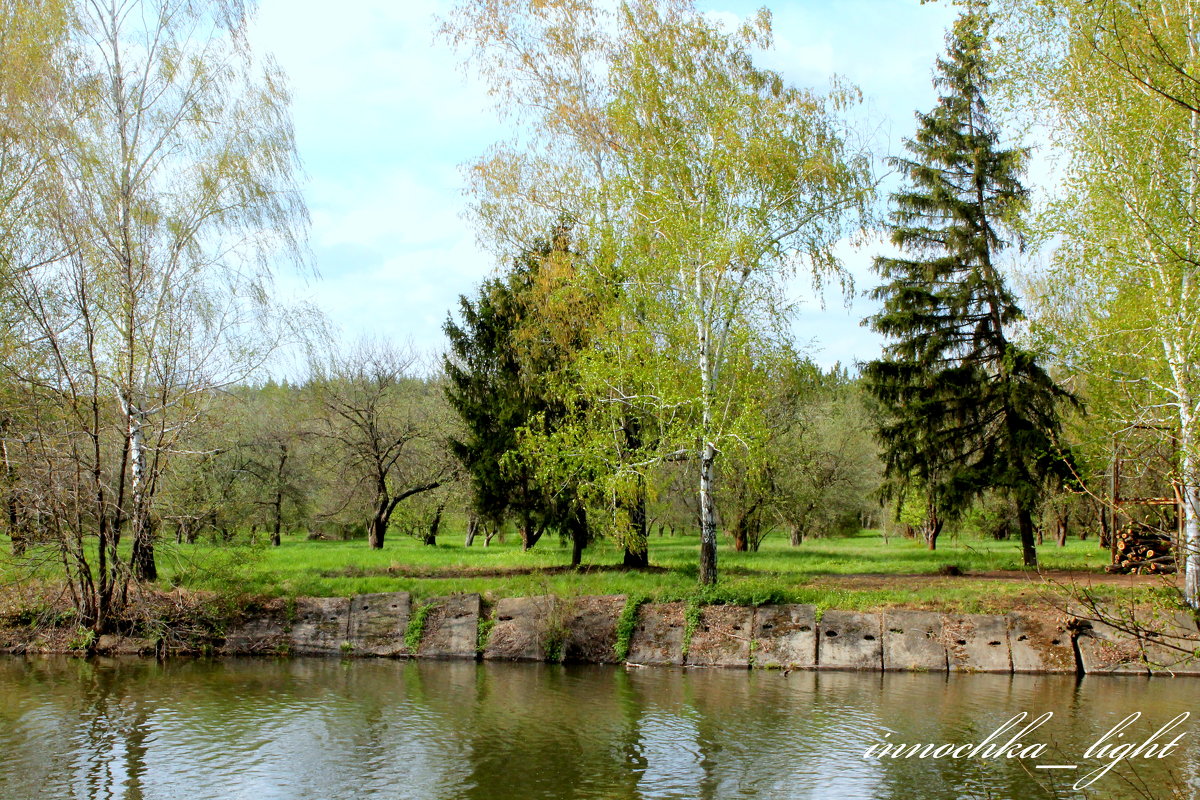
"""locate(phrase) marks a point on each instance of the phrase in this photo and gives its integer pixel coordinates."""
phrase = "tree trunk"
(142, 555)
(378, 528)
(1062, 529)
(1105, 535)
(932, 531)
(1190, 491)
(142, 558)
(633, 559)
(472, 530)
(708, 518)
(795, 537)
(530, 534)
(579, 537)
(754, 537)
(637, 546)
(15, 534)
(430, 537)
(740, 543)
(1028, 548)
(933, 525)
(278, 504)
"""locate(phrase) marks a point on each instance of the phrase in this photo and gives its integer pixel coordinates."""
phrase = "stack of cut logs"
(1142, 552)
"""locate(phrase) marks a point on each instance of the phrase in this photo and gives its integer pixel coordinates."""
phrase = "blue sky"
(385, 117)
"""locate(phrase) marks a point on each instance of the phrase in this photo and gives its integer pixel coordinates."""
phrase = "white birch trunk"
(1183, 369)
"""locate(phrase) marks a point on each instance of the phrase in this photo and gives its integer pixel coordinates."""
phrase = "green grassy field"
(855, 572)
(813, 572)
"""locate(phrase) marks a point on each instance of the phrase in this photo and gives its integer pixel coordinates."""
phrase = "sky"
(386, 115)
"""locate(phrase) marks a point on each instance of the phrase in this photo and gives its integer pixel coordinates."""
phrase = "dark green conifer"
(498, 386)
(963, 409)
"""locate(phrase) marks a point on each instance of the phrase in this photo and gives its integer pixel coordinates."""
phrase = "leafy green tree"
(503, 377)
(964, 408)
(1116, 84)
(699, 182)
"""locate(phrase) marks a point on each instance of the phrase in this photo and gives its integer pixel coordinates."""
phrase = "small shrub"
(416, 626)
(691, 623)
(486, 623)
(83, 639)
(626, 623)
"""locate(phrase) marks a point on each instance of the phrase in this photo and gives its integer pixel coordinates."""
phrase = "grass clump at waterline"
(858, 572)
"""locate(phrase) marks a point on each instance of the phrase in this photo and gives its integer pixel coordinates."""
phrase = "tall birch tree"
(169, 196)
(1119, 85)
(698, 183)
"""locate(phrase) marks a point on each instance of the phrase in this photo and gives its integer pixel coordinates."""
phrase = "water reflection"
(325, 729)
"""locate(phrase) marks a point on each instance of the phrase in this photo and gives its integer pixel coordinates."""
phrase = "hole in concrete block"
(1022, 638)
(960, 641)
(767, 626)
(831, 633)
(993, 644)
(869, 638)
(504, 617)
(895, 630)
(1055, 641)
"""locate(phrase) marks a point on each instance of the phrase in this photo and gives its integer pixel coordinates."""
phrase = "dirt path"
(1046, 578)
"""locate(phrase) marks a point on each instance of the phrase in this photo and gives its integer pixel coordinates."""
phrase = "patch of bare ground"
(1037, 590)
(404, 571)
(1050, 577)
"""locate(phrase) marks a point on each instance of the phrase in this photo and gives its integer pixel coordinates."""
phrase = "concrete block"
(658, 635)
(258, 636)
(592, 629)
(1172, 645)
(522, 630)
(850, 640)
(321, 625)
(976, 643)
(378, 623)
(785, 637)
(912, 640)
(124, 646)
(1106, 651)
(722, 639)
(1040, 644)
(452, 628)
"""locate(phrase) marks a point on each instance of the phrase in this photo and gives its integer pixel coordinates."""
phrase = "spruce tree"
(498, 384)
(963, 409)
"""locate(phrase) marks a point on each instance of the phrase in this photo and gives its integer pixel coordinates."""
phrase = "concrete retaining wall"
(585, 630)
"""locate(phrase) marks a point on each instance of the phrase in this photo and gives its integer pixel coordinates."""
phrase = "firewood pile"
(1142, 552)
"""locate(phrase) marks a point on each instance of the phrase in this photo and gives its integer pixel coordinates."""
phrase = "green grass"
(777, 573)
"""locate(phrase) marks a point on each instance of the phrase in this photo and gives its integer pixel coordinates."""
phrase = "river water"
(329, 729)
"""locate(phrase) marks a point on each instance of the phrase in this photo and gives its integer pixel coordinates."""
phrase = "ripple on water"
(324, 730)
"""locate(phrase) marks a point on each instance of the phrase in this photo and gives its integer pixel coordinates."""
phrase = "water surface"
(327, 729)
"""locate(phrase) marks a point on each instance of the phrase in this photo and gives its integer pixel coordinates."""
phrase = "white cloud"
(385, 116)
